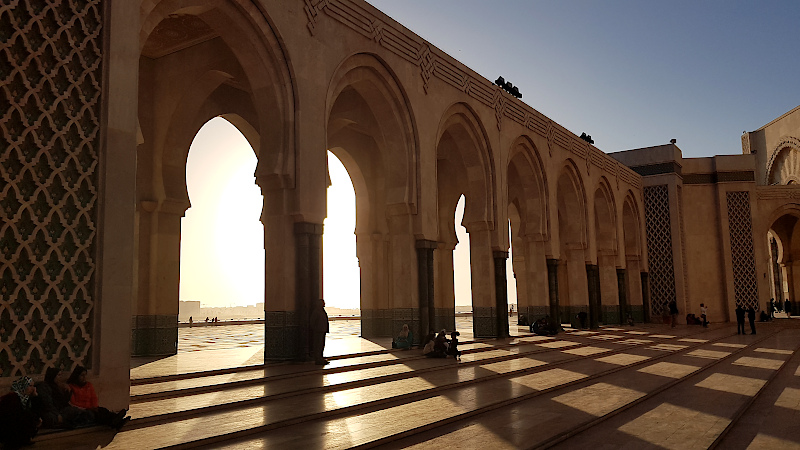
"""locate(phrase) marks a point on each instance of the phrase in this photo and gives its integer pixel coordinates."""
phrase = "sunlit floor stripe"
(668, 369)
(558, 344)
(726, 344)
(622, 359)
(512, 365)
(472, 436)
(760, 363)
(636, 332)
(547, 379)
(693, 340)
(599, 399)
(663, 336)
(676, 428)
(586, 351)
(774, 351)
(606, 337)
(789, 398)
(635, 341)
(708, 354)
(731, 383)
(767, 442)
(668, 347)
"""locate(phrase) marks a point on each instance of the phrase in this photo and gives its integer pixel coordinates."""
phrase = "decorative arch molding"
(171, 164)
(534, 187)
(569, 179)
(787, 209)
(785, 143)
(247, 31)
(397, 136)
(603, 188)
(631, 223)
(472, 147)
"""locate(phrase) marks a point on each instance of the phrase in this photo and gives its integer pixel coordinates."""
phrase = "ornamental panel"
(659, 248)
(745, 282)
(50, 84)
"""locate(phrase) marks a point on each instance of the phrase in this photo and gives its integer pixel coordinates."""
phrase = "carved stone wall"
(659, 247)
(50, 85)
(745, 283)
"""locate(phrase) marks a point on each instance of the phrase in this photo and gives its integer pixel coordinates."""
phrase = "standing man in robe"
(318, 326)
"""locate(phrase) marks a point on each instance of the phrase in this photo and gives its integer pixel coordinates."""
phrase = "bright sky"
(630, 73)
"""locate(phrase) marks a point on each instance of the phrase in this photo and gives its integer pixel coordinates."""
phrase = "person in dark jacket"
(739, 320)
(52, 403)
(751, 317)
(673, 311)
(18, 423)
(452, 349)
(318, 328)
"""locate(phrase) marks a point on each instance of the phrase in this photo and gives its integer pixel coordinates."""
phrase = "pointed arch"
(571, 197)
(605, 218)
(465, 157)
(527, 187)
(631, 225)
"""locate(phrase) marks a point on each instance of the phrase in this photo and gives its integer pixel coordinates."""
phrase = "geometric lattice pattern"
(745, 282)
(50, 84)
(659, 248)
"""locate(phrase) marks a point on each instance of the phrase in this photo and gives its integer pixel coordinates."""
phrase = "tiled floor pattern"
(646, 393)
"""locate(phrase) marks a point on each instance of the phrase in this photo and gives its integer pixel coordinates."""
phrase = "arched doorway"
(605, 225)
(573, 293)
(229, 65)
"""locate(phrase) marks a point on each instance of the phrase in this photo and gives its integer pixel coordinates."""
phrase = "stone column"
(577, 291)
(402, 272)
(154, 323)
(634, 292)
(501, 292)
(609, 300)
(443, 313)
(623, 297)
(425, 285)
(646, 296)
(484, 308)
(307, 280)
(535, 304)
(376, 316)
(593, 285)
(552, 285)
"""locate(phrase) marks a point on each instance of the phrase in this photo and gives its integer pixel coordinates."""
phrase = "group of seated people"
(438, 346)
(433, 345)
(55, 402)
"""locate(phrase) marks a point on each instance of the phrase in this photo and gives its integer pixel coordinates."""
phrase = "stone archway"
(370, 130)
(464, 166)
(573, 295)
(783, 239)
(605, 226)
(630, 284)
(197, 62)
(527, 211)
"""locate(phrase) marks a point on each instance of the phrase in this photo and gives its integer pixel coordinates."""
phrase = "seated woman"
(84, 396)
(18, 423)
(404, 340)
(52, 403)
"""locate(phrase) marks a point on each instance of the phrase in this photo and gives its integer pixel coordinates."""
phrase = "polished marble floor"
(648, 386)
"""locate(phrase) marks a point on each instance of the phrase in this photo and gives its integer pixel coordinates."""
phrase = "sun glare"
(222, 239)
(462, 278)
(341, 276)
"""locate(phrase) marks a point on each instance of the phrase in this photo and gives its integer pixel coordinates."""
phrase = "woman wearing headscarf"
(85, 397)
(405, 339)
(18, 423)
(52, 402)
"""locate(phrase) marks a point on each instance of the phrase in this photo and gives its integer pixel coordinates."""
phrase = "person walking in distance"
(319, 328)
(739, 320)
(673, 311)
(751, 317)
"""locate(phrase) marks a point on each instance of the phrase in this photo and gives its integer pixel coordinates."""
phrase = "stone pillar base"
(154, 335)
(445, 318)
(637, 312)
(484, 321)
(282, 336)
(377, 323)
(610, 314)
